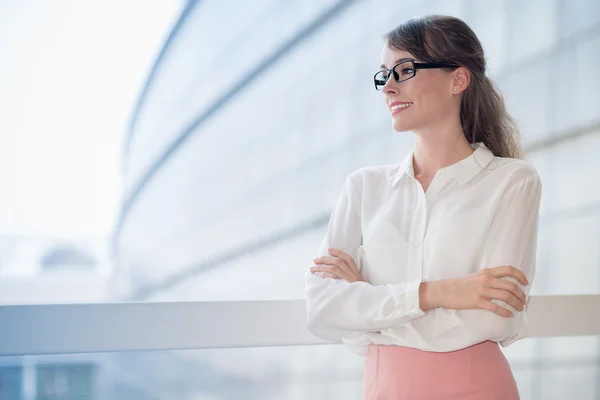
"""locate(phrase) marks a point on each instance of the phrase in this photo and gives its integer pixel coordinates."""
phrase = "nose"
(390, 86)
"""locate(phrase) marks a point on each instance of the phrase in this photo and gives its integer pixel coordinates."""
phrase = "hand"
(337, 266)
(478, 289)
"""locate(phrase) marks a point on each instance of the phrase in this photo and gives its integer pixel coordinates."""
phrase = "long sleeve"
(337, 309)
(511, 240)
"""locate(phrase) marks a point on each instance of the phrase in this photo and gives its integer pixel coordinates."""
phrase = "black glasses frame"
(415, 67)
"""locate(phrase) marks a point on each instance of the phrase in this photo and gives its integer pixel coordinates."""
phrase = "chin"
(402, 126)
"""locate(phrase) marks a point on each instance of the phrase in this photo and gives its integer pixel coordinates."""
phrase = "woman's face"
(429, 94)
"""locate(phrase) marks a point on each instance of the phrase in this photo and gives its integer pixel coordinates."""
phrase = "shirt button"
(412, 310)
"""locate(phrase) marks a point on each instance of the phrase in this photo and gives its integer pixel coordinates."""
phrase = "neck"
(436, 148)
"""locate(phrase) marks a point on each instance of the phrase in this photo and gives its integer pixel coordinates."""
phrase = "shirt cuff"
(409, 299)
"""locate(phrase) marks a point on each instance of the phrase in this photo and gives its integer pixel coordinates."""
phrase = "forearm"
(338, 306)
(447, 327)
(431, 294)
(443, 329)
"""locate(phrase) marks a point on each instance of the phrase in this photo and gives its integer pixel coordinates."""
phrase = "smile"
(399, 107)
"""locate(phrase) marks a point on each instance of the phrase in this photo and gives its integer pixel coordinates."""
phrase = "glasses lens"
(404, 71)
(380, 79)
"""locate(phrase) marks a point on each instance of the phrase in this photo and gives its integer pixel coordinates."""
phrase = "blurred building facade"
(251, 120)
(50, 270)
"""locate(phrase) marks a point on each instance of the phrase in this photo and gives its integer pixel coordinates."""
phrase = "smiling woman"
(434, 255)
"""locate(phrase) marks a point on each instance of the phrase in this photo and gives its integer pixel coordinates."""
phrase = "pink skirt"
(478, 372)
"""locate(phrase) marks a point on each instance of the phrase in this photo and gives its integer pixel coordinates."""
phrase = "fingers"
(349, 260)
(325, 275)
(339, 264)
(510, 287)
(505, 296)
(332, 265)
(507, 270)
(495, 308)
(330, 269)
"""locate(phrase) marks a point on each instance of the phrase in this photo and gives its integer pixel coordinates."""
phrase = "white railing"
(107, 327)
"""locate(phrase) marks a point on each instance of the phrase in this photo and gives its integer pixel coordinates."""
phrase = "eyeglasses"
(403, 71)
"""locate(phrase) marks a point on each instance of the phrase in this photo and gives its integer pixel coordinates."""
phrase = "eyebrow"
(397, 61)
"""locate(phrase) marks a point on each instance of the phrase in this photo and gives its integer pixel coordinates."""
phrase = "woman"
(427, 263)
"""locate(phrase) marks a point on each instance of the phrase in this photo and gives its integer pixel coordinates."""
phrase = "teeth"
(400, 106)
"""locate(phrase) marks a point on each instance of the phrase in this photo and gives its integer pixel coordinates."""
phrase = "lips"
(395, 103)
(398, 106)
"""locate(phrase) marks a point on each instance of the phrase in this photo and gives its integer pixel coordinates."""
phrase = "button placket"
(415, 262)
(428, 198)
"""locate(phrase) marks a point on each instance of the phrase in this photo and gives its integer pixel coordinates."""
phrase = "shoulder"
(511, 177)
(514, 171)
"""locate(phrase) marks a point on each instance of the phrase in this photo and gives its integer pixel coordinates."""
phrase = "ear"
(461, 77)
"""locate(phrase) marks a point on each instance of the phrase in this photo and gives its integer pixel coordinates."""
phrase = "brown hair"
(445, 39)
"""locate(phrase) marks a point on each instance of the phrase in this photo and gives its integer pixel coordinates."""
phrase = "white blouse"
(482, 211)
